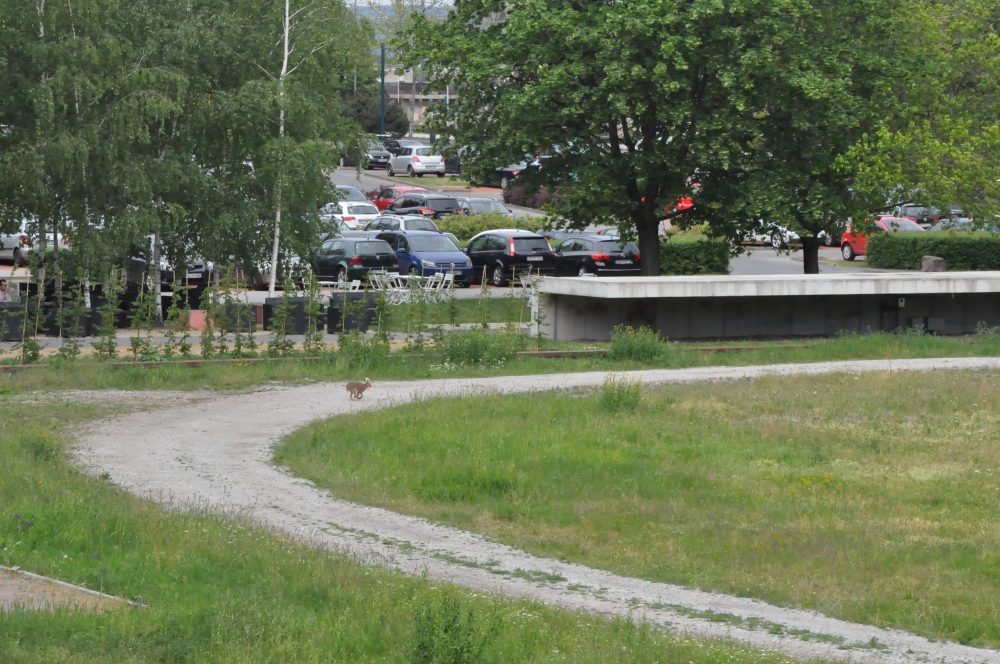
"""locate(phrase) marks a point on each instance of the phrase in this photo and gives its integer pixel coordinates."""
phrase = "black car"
(349, 258)
(377, 155)
(505, 253)
(425, 203)
(584, 255)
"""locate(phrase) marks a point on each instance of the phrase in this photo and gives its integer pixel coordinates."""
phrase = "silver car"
(416, 160)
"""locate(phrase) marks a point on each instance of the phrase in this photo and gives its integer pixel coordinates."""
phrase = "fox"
(357, 389)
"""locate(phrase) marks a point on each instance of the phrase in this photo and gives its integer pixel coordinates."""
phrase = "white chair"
(430, 285)
(355, 285)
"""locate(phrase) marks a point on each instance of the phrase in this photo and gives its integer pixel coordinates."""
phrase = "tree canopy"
(751, 107)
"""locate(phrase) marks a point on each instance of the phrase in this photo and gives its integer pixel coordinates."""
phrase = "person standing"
(8, 294)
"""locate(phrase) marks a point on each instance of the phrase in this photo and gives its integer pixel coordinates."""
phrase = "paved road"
(214, 451)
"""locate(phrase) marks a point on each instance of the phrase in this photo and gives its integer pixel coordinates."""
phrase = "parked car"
(391, 222)
(346, 192)
(386, 194)
(425, 203)
(349, 258)
(483, 204)
(507, 252)
(377, 155)
(925, 215)
(506, 175)
(963, 225)
(352, 214)
(394, 143)
(17, 245)
(584, 255)
(416, 160)
(427, 252)
(779, 237)
(854, 244)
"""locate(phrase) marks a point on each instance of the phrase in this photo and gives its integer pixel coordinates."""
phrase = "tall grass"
(220, 589)
(873, 498)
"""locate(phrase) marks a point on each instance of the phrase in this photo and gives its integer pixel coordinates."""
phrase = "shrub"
(521, 194)
(685, 255)
(480, 347)
(620, 394)
(466, 226)
(448, 632)
(962, 251)
(641, 345)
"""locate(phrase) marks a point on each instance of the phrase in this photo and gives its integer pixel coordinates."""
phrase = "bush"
(620, 394)
(466, 226)
(962, 251)
(642, 345)
(684, 255)
(480, 347)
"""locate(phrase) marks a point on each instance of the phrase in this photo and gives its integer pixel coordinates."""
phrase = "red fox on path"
(357, 389)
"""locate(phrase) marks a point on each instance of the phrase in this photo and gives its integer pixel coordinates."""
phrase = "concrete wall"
(701, 315)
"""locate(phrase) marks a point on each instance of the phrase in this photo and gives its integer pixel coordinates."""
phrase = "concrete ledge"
(769, 306)
(775, 285)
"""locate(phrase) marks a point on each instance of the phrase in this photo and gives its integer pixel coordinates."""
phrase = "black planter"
(12, 321)
(360, 312)
(79, 325)
(296, 313)
(237, 316)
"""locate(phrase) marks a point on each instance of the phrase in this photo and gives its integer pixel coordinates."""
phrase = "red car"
(854, 244)
(388, 193)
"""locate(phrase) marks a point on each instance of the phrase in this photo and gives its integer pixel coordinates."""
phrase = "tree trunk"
(157, 279)
(649, 247)
(281, 137)
(810, 255)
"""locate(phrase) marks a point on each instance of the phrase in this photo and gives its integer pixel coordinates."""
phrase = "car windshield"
(376, 147)
(362, 208)
(432, 243)
(486, 206)
(442, 204)
(372, 247)
(347, 193)
(530, 245)
(610, 246)
(902, 225)
(420, 224)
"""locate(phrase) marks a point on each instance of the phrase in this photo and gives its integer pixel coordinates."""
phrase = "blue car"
(426, 252)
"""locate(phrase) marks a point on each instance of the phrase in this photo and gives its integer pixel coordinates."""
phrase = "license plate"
(194, 275)
(535, 259)
(623, 261)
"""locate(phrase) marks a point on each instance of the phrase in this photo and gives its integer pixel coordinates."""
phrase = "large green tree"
(946, 150)
(745, 105)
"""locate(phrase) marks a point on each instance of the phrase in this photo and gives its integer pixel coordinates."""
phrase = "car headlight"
(429, 264)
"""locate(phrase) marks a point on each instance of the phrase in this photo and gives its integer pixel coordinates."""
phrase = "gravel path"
(216, 450)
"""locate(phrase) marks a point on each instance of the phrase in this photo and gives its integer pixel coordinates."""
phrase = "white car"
(353, 215)
(780, 237)
(16, 246)
(416, 160)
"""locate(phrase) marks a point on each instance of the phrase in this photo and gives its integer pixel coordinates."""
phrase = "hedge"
(680, 255)
(962, 251)
(466, 226)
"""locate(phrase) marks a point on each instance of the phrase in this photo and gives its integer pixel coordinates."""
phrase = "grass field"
(873, 498)
(218, 589)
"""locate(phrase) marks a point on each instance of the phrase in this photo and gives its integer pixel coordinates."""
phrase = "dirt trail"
(216, 451)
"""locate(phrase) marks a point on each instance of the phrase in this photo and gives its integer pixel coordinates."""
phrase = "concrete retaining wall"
(774, 306)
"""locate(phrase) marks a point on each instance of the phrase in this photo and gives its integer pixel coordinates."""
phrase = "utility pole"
(381, 92)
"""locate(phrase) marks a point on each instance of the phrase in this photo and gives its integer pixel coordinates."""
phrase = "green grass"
(426, 361)
(478, 311)
(872, 497)
(223, 590)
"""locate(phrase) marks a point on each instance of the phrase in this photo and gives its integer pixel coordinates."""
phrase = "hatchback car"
(391, 222)
(483, 205)
(416, 160)
(385, 195)
(854, 244)
(346, 192)
(353, 215)
(585, 255)
(427, 252)
(505, 253)
(424, 203)
(925, 215)
(349, 258)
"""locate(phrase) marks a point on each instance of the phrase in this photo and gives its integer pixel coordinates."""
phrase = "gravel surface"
(216, 451)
